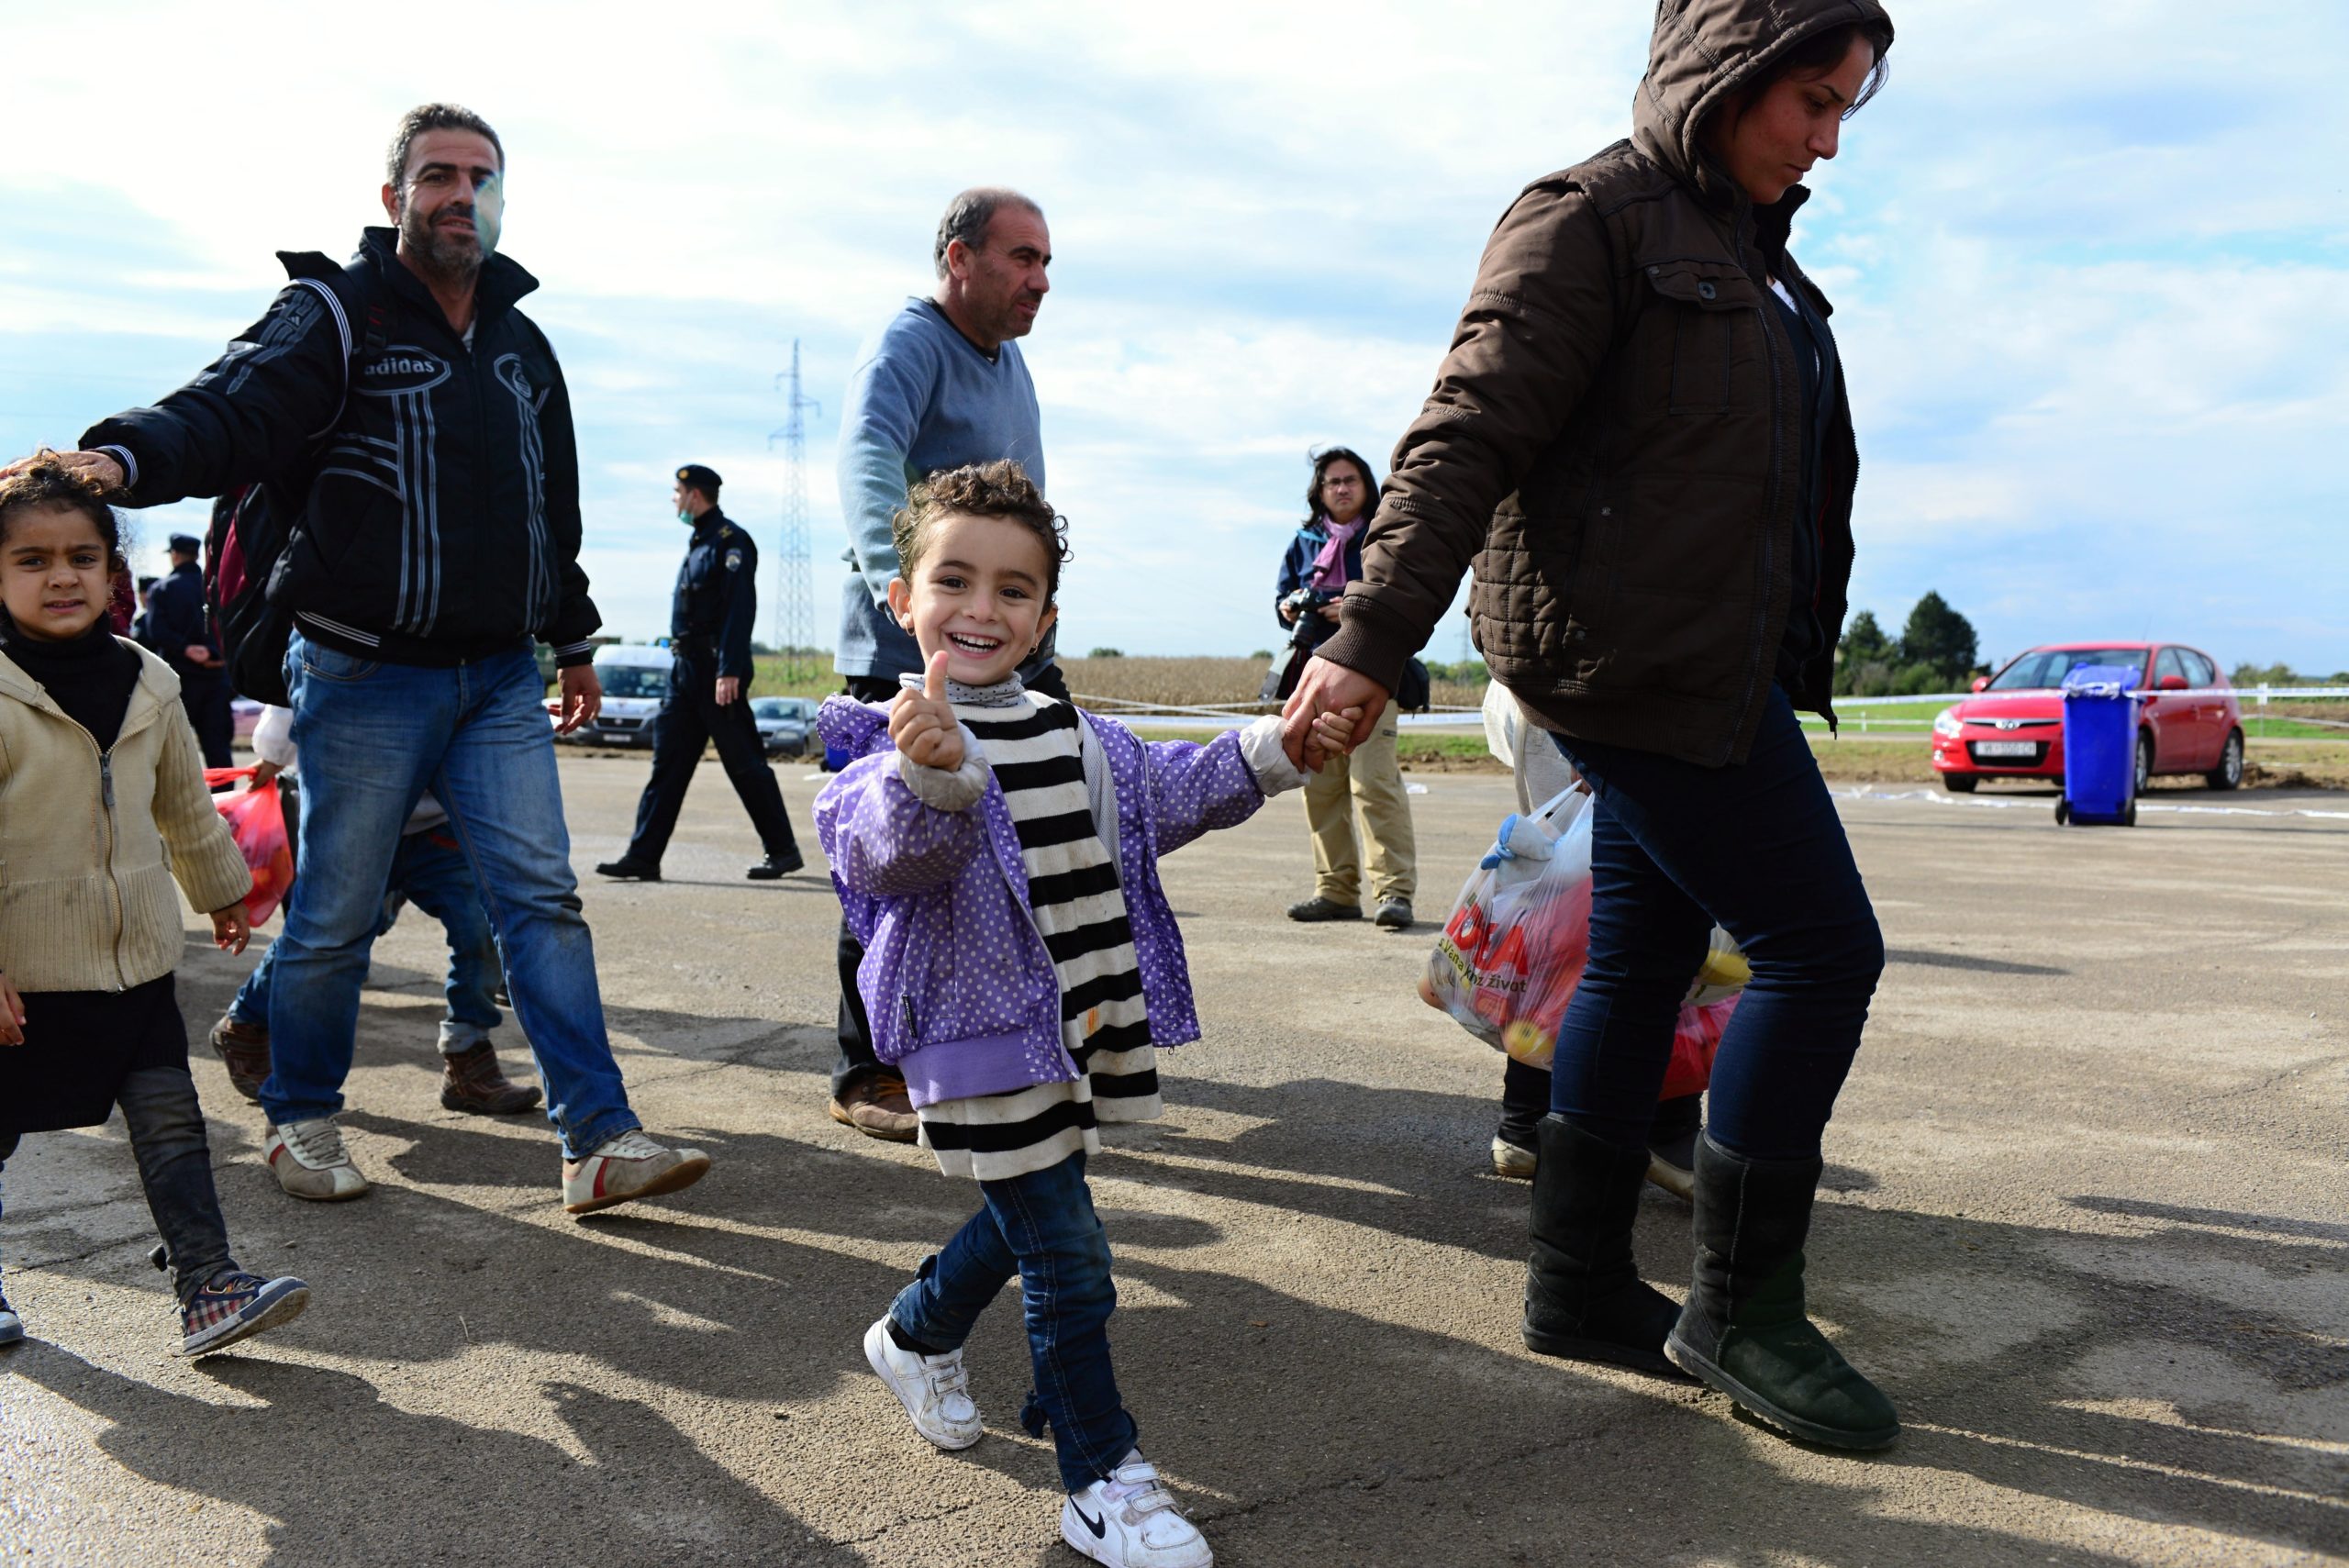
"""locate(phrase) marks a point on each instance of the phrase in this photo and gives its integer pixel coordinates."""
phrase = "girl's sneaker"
(233, 1305)
(12, 1328)
(1130, 1521)
(935, 1390)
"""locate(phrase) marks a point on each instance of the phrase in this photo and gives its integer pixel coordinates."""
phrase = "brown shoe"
(878, 1107)
(471, 1080)
(244, 1047)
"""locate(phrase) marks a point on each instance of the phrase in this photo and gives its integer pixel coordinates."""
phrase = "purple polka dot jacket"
(956, 979)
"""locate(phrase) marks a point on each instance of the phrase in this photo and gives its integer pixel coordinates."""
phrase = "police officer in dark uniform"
(175, 623)
(710, 692)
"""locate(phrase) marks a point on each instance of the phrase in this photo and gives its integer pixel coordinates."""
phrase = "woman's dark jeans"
(166, 1127)
(1758, 849)
(1042, 1228)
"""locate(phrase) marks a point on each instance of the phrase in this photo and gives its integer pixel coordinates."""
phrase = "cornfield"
(1201, 682)
(1168, 683)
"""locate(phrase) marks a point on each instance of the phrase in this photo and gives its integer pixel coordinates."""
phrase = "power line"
(795, 606)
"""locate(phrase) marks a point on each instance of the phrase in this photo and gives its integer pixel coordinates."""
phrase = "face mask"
(684, 516)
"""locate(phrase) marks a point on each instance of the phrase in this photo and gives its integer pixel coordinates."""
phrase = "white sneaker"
(308, 1160)
(629, 1166)
(935, 1390)
(1129, 1521)
(1509, 1160)
(12, 1328)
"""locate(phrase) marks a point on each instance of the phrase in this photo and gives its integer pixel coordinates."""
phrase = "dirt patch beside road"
(2269, 764)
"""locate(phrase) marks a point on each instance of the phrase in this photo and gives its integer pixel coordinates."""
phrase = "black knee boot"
(1744, 1330)
(1583, 1297)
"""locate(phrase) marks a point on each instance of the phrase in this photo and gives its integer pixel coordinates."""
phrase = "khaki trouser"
(1369, 782)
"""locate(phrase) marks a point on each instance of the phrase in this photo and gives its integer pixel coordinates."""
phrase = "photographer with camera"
(1324, 557)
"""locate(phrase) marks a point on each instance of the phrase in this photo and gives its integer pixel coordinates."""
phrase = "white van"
(634, 678)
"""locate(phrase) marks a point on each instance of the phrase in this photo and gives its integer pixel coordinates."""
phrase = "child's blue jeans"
(430, 871)
(1042, 1226)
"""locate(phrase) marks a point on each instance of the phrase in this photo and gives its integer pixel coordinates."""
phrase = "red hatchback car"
(2012, 726)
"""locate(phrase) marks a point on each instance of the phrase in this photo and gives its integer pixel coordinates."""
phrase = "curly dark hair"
(999, 489)
(47, 481)
(431, 117)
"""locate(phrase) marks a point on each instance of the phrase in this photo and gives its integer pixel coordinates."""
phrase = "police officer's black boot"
(1583, 1297)
(776, 865)
(1744, 1330)
(627, 868)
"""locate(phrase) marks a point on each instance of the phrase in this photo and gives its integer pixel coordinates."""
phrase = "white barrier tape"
(1462, 724)
(1115, 708)
(1937, 797)
(2262, 693)
(2259, 693)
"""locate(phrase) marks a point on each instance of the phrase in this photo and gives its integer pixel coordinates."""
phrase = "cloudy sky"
(2091, 263)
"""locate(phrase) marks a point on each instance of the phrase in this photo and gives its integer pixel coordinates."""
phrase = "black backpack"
(244, 550)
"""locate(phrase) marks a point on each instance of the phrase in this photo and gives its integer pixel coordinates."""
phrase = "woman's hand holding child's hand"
(230, 929)
(922, 725)
(12, 1013)
(1333, 733)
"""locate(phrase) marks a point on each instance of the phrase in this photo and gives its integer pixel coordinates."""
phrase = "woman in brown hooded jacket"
(1642, 437)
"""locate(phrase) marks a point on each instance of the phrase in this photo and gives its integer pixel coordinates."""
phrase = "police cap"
(187, 544)
(705, 480)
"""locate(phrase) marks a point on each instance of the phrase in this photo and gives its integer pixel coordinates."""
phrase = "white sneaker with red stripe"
(309, 1161)
(628, 1166)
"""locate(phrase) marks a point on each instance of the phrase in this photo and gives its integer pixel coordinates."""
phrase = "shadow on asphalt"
(1968, 962)
(346, 1476)
(1986, 1333)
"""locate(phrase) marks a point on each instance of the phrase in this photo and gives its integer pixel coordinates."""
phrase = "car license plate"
(2006, 748)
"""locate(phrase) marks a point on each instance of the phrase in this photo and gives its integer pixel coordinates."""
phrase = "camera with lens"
(1305, 605)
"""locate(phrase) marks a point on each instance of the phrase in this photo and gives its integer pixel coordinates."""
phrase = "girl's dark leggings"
(166, 1126)
(1757, 848)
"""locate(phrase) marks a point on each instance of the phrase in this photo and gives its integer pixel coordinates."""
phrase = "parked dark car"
(785, 724)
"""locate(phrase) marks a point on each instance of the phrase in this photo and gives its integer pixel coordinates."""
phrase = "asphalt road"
(2085, 1218)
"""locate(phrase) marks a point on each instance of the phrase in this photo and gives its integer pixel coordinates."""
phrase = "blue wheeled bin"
(2100, 747)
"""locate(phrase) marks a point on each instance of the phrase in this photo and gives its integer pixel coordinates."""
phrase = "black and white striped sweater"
(1032, 745)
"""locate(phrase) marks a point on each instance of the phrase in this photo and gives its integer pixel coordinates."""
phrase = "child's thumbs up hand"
(922, 726)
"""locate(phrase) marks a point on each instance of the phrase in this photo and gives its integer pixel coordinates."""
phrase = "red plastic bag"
(1508, 961)
(257, 821)
(1694, 1040)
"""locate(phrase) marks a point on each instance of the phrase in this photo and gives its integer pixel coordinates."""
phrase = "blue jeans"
(372, 738)
(1758, 849)
(1041, 1226)
(429, 871)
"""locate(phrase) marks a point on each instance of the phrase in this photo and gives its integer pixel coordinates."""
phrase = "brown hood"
(1705, 49)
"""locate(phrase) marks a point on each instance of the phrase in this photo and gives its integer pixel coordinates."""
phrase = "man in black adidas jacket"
(419, 421)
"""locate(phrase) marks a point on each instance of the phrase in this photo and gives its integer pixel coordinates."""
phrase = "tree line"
(1936, 651)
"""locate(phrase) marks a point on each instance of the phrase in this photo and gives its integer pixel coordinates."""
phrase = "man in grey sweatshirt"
(942, 386)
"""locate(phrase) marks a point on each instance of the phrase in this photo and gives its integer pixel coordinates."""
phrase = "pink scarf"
(1328, 575)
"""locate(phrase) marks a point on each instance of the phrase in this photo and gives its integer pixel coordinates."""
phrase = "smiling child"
(996, 852)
